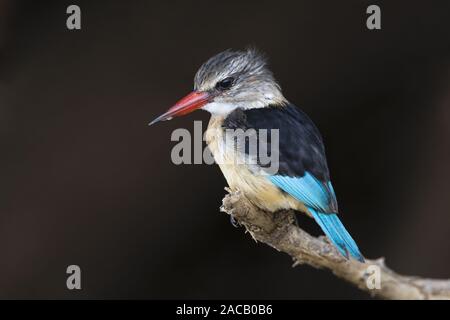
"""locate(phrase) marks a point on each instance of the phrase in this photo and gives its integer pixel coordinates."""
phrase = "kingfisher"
(240, 92)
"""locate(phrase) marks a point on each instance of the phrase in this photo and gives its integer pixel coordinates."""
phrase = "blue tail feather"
(336, 232)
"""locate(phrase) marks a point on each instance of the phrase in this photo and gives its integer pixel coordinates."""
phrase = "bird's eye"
(225, 84)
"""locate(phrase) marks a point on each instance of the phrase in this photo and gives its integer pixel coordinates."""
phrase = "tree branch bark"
(279, 231)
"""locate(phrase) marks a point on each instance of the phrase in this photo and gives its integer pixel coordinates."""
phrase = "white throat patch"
(219, 108)
(224, 108)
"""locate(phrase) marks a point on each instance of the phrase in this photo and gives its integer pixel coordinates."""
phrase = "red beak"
(191, 102)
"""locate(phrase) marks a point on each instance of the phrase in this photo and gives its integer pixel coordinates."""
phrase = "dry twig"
(280, 232)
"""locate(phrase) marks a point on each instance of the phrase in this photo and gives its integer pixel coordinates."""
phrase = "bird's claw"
(234, 222)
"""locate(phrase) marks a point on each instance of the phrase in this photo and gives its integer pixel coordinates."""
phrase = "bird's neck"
(215, 128)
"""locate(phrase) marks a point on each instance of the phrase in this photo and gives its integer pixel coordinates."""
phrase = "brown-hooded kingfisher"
(240, 92)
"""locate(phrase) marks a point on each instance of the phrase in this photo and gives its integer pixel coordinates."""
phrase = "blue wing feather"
(308, 190)
(320, 200)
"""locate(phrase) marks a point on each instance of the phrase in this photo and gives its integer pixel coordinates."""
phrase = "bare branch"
(279, 231)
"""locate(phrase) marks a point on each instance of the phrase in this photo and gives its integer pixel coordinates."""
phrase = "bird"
(240, 92)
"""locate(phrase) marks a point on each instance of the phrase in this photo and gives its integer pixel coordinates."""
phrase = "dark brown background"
(85, 181)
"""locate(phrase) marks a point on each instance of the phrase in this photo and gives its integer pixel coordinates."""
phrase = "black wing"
(300, 144)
